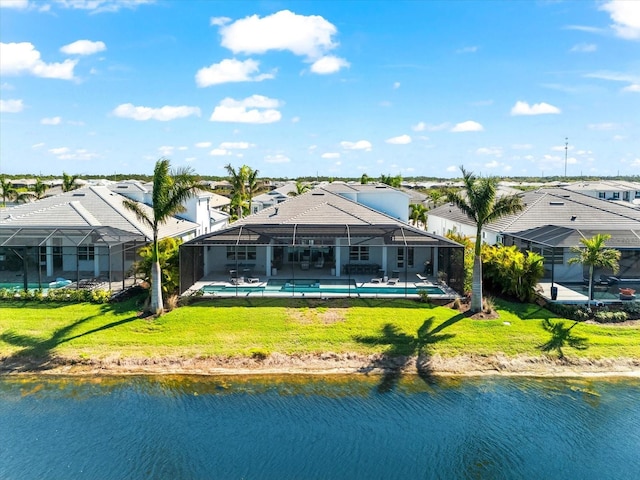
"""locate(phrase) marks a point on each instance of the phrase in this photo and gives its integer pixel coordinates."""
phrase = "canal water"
(301, 427)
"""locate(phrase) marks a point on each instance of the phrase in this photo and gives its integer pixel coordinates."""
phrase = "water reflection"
(318, 427)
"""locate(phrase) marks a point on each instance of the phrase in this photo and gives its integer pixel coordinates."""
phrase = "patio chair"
(319, 263)
(422, 278)
(393, 281)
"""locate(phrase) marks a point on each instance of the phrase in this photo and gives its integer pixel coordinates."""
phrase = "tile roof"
(87, 207)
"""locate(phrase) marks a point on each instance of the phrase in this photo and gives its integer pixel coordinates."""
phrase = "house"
(553, 221)
(85, 233)
(273, 197)
(320, 234)
(198, 209)
(378, 196)
(614, 190)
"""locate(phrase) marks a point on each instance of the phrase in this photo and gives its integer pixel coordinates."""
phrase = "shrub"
(512, 272)
(571, 312)
(424, 296)
(488, 305)
(605, 316)
(632, 309)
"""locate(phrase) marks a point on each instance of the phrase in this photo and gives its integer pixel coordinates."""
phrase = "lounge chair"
(319, 263)
(393, 281)
(422, 278)
(304, 265)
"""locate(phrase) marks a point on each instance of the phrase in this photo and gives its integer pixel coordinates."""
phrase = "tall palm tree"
(7, 190)
(594, 254)
(418, 215)
(39, 188)
(252, 184)
(170, 190)
(238, 182)
(481, 205)
(69, 182)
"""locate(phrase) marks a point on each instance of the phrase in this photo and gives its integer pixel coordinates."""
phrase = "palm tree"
(391, 181)
(594, 255)
(69, 182)
(6, 190)
(418, 214)
(252, 184)
(364, 179)
(238, 182)
(481, 205)
(170, 190)
(39, 189)
(300, 189)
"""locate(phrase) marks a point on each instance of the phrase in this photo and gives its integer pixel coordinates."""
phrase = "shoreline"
(327, 364)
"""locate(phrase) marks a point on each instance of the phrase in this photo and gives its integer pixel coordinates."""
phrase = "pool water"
(331, 286)
(605, 292)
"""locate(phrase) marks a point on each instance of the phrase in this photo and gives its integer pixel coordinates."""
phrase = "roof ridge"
(592, 205)
(95, 189)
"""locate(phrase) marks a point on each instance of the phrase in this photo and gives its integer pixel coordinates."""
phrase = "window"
(601, 195)
(401, 259)
(359, 253)
(242, 252)
(86, 252)
(616, 195)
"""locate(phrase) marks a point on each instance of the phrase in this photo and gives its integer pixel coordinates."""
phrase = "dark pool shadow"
(402, 348)
(36, 354)
(561, 337)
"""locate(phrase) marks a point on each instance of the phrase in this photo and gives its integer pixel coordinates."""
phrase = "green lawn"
(242, 327)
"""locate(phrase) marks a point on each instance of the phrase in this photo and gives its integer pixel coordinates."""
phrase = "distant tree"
(24, 196)
(594, 254)
(69, 182)
(39, 189)
(418, 215)
(170, 190)
(364, 179)
(481, 205)
(391, 181)
(436, 195)
(300, 189)
(7, 190)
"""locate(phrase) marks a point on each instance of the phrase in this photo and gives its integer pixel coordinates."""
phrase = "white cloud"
(37, 145)
(560, 148)
(614, 76)
(309, 36)
(542, 108)
(219, 152)
(295, 119)
(602, 126)
(585, 28)
(203, 144)
(491, 151)
(23, 58)
(626, 18)
(396, 85)
(400, 140)
(279, 158)
(166, 150)
(163, 114)
(11, 106)
(236, 145)
(492, 164)
(99, 6)
(51, 121)
(634, 87)
(452, 168)
(83, 47)
(422, 127)
(330, 155)
(231, 70)
(359, 145)
(18, 4)
(328, 64)
(584, 48)
(471, 49)
(522, 146)
(618, 138)
(468, 126)
(59, 150)
(219, 21)
(6, 86)
(254, 109)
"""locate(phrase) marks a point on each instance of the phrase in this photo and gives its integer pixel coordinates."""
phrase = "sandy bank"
(326, 364)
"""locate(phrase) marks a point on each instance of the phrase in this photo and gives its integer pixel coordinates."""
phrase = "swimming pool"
(604, 292)
(317, 287)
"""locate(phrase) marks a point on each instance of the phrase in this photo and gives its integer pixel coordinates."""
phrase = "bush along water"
(611, 314)
(57, 295)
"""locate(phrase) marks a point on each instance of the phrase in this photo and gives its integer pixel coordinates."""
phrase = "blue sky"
(334, 88)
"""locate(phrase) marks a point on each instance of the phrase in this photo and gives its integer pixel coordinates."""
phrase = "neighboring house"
(85, 233)
(377, 196)
(273, 197)
(553, 221)
(614, 190)
(198, 209)
(320, 233)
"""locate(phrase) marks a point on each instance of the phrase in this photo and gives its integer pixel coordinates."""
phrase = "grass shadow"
(37, 353)
(561, 337)
(294, 302)
(402, 347)
(525, 311)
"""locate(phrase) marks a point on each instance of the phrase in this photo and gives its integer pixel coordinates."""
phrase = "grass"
(248, 327)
